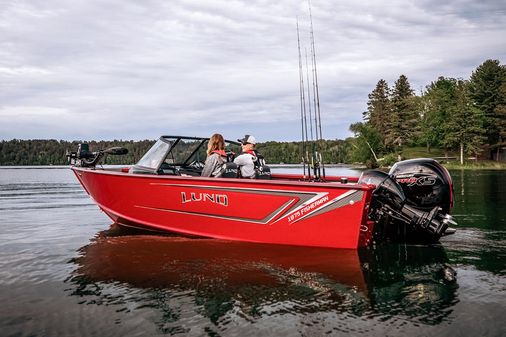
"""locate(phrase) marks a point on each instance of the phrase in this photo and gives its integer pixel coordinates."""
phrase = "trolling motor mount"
(83, 157)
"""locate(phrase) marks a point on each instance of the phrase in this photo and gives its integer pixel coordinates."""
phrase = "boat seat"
(230, 170)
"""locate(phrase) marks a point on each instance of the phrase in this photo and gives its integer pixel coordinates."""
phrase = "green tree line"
(466, 116)
(53, 152)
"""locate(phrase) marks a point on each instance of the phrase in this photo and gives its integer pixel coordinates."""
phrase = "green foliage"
(422, 152)
(395, 114)
(367, 145)
(452, 113)
(500, 114)
(388, 160)
(333, 151)
(485, 91)
(405, 117)
(53, 152)
(379, 109)
(464, 127)
(440, 103)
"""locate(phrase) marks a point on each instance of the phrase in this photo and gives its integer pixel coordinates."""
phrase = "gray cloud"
(132, 70)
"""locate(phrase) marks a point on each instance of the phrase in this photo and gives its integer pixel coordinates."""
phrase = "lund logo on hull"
(220, 199)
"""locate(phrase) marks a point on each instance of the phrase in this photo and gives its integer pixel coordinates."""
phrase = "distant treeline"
(53, 152)
(333, 151)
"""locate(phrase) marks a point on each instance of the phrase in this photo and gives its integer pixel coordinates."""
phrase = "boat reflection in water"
(224, 281)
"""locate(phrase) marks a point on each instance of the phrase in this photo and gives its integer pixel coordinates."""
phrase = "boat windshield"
(185, 151)
(154, 157)
(177, 155)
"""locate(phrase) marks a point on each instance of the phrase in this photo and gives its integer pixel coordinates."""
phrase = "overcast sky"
(111, 69)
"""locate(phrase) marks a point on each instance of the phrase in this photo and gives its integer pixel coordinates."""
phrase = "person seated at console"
(216, 156)
(250, 161)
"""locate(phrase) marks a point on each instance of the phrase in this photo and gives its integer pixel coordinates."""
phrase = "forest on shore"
(463, 116)
(53, 152)
(466, 116)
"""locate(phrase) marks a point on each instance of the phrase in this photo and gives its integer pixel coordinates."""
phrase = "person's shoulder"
(242, 156)
(246, 155)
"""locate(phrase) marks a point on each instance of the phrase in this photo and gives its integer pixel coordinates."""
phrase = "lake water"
(66, 271)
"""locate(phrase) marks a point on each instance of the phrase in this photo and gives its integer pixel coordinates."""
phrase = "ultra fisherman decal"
(307, 208)
(323, 205)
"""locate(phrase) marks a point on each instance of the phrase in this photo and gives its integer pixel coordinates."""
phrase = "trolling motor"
(402, 219)
(83, 157)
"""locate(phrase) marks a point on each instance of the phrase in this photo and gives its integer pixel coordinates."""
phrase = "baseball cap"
(248, 140)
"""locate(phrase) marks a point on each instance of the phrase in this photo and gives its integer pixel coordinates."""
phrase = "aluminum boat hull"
(283, 210)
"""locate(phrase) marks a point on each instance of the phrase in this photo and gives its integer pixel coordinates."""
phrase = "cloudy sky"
(111, 69)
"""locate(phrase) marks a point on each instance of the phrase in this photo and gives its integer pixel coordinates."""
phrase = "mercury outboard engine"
(425, 182)
(414, 210)
(84, 158)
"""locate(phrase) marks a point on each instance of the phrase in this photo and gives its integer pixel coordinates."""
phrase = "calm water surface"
(65, 271)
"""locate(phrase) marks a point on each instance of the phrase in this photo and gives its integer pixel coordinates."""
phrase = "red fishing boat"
(164, 191)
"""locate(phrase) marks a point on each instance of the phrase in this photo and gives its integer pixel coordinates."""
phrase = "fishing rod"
(316, 90)
(314, 161)
(310, 139)
(302, 109)
(316, 166)
(309, 101)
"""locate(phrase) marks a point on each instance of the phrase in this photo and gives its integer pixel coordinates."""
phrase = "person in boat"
(251, 163)
(216, 156)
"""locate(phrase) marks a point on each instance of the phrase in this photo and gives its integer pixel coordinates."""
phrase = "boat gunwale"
(328, 184)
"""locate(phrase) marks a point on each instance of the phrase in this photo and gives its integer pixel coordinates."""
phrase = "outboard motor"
(84, 158)
(398, 220)
(425, 182)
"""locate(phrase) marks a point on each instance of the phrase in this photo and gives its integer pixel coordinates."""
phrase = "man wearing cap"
(247, 159)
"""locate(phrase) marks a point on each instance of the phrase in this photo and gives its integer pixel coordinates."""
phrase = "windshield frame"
(153, 150)
(172, 142)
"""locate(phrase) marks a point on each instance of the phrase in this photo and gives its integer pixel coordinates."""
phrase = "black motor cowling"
(425, 182)
(400, 218)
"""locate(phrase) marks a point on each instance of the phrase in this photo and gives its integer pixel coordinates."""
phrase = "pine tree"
(405, 116)
(465, 123)
(439, 100)
(484, 87)
(379, 109)
(500, 114)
